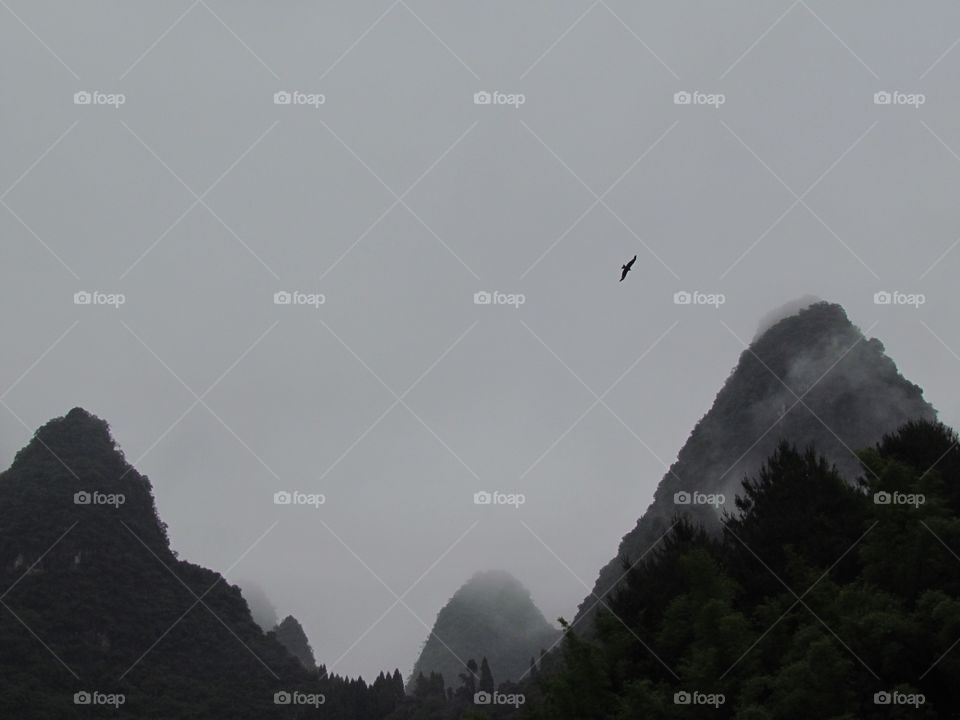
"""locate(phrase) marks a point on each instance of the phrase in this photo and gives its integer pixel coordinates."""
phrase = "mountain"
(819, 601)
(290, 634)
(262, 610)
(95, 602)
(851, 394)
(491, 616)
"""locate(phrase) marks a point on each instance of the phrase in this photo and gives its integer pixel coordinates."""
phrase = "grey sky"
(797, 184)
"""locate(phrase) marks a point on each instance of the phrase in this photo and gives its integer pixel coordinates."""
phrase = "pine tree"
(486, 677)
(468, 681)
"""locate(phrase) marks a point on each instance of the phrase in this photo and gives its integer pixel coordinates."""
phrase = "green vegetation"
(820, 595)
(813, 599)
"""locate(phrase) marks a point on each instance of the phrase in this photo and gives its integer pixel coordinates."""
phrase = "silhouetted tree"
(486, 677)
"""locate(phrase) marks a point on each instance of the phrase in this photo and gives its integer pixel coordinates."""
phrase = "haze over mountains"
(811, 377)
(261, 607)
(491, 616)
(97, 199)
(98, 601)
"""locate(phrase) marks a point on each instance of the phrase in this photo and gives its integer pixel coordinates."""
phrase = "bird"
(627, 268)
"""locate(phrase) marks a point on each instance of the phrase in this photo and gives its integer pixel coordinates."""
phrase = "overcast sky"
(398, 198)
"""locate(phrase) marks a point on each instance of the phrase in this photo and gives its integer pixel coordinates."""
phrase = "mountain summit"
(491, 616)
(812, 378)
(95, 605)
(290, 634)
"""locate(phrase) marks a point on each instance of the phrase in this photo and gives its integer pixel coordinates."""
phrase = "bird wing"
(630, 264)
(624, 273)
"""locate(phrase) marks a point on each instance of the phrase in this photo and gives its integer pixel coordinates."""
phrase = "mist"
(383, 386)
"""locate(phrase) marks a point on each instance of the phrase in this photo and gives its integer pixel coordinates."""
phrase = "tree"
(814, 592)
(486, 677)
(468, 681)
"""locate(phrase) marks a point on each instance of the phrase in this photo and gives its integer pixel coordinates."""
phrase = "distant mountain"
(491, 616)
(95, 601)
(851, 395)
(263, 612)
(290, 634)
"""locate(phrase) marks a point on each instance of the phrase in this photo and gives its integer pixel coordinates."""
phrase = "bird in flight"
(627, 268)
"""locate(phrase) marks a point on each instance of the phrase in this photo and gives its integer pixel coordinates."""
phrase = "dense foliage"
(821, 597)
(818, 595)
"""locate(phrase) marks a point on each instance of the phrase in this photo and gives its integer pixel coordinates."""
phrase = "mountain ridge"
(812, 377)
(96, 601)
(492, 616)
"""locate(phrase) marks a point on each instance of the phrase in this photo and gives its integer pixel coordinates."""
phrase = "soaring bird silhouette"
(627, 268)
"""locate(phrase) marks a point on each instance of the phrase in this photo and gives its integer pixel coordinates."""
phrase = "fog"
(398, 198)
